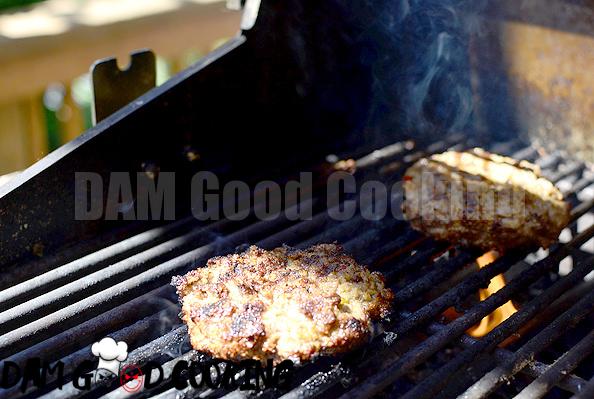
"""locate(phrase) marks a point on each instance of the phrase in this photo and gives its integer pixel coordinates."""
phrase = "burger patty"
(281, 304)
(482, 199)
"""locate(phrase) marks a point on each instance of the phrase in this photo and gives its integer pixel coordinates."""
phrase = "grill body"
(272, 102)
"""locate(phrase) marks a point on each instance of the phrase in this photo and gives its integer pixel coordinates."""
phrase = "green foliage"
(8, 4)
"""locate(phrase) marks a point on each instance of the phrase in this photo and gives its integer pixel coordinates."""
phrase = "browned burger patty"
(281, 304)
(482, 199)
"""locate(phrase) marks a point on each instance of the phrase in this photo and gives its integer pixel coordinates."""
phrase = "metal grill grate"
(123, 291)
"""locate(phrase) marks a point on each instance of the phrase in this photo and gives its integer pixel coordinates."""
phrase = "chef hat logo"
(110, 353)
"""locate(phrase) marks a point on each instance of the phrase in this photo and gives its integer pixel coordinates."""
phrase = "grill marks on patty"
(215, 310)
(247, 323)
(485, 200)
(281, 304)
(320, 311)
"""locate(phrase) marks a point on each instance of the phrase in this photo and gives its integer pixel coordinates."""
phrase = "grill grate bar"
(587, 393)
(285, 234)
(337, 232)
(457, 327)
(375, 235)
(149, 352)
(407, 240)
(563, 303)
(535, 369)
(42, 283)
(528, 153)
(451, 297)
(543, 339)
(582, 183)
(319, 384)
(346, 245)
(387, 153)
(51, 349)
(22, 272)
(466, 287)
(85, 332)
(580, 212)
(21, 314)
(441, 270)
(361, 240)
(167, 367)
(581, 209)
(45, 327)
(549, 160)
(84, 276)
(563, 366)
(426, 249)
(564, 171)
(303, 228)
(175, 334)
(378, 235)
(433, 383)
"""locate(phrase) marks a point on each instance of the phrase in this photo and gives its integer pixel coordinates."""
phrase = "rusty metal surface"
(546, 51)
(553, 84)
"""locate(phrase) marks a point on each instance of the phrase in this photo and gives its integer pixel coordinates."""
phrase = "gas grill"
(251, 110)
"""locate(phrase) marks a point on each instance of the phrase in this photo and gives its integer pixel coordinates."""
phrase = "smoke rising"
(418, 51)
(369, 72)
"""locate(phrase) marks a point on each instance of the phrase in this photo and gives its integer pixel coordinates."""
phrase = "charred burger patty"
(281, 304)
(482, 199)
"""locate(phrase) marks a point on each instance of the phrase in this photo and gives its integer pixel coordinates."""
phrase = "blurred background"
(47, 47)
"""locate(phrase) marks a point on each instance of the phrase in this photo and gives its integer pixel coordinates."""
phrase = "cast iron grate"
(123, 291)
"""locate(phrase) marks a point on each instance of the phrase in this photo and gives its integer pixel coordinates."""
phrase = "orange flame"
(500, 314)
